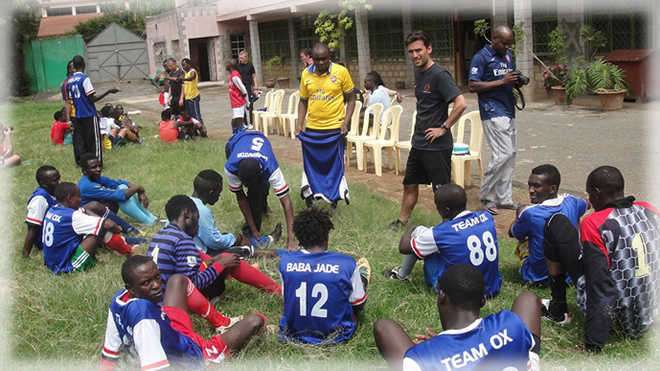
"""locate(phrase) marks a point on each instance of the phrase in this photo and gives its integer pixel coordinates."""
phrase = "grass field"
(59, 321)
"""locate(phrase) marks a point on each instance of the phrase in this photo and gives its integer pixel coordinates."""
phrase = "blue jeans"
(192, 105)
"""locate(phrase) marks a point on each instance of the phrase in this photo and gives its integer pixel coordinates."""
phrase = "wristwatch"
(444, 126)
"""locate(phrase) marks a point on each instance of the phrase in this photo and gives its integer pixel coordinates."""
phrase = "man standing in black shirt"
(176, 96)
(249, 77)
(429, 160)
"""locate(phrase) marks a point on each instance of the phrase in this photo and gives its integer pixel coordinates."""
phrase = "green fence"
(46, 60)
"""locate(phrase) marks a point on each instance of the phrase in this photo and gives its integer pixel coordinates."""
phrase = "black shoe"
(548, 306)
(276, 234)
(245, 231)
(309, 202)
(396, 225)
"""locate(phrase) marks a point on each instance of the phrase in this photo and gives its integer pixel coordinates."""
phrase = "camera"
(7, 129)
(522, 79)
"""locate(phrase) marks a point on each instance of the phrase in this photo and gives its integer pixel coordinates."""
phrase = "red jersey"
(168, 133)
(236, 90)
(57, 132)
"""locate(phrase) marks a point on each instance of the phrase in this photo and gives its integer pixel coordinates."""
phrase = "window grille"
(438, 25)
(544, 21)
(274, 39)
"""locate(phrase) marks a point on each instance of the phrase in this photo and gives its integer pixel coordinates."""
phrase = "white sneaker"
(250, 126)
(232, 321)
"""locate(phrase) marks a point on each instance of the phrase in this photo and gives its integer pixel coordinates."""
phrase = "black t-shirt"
(246, 71)
(176, 86)
(434, 89)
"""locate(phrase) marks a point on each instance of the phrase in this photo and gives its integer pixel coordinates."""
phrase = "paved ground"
(576, 139)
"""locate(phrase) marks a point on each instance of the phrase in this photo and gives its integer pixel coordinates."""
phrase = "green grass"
(59, 321)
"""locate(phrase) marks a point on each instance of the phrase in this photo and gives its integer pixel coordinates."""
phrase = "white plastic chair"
(256, 114)
(461, 164)
(369, 130)
(291, 115)
(270, 115)
(388, 136)
(406, 144)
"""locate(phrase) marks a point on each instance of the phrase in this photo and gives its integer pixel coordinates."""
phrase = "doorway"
(199, 57)
(466, 42)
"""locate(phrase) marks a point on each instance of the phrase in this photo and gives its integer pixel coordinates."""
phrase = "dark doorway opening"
(466, 43)
(199, 56)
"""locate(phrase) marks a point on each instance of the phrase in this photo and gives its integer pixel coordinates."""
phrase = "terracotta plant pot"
(559, 93)
(400, 85)
(270, 83)
(611, 100)
(283, 82)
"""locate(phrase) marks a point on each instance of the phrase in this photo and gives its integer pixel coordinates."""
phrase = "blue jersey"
(469, 238)
(253, 144)
(319, 291)
(496, 342)
(38, 205)
(487, 65)
(140, 326)
(530, 225)
(62, 232)
(79, 88)
(103, 189)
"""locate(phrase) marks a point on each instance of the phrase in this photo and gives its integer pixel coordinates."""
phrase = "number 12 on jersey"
(318, 291)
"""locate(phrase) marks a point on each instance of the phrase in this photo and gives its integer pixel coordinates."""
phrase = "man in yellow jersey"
(325, 88)
(190, 92)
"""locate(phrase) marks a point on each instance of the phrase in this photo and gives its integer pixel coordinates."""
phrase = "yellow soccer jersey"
(325, 96)
(190, 87)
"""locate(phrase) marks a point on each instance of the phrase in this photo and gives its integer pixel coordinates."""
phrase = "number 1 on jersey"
(318, 290)
(639, 245)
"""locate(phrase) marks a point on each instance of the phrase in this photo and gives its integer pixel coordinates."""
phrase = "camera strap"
(522, 99)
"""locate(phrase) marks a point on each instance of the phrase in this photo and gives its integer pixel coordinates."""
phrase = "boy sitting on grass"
(61, 131)
(171, 130)
(322, 289)
(164, 336)
(71, 236)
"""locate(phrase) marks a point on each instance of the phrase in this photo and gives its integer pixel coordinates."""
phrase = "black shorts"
(424, 167)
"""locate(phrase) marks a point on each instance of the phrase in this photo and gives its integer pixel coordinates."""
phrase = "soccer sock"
(199, 305)
(249, 275)
(117, 243)
(125, 226)
(135, 240)
(130, 208)
(558, 293)
(146, 212)
(262, 240)
(407, 265)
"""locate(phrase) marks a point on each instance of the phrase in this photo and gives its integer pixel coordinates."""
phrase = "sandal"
(490, 207)
(513, 206)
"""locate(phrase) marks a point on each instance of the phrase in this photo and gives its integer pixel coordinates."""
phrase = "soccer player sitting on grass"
(543, 185)
(616, 268)
(164, 336)
(322, 289)
(171, 130)
(71, 236)
(43, 198)
(114, 193)
(508, 340)
(174, 251)
(463, 237)
(209, 240)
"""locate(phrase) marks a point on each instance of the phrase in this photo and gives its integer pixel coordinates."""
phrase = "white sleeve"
(357, 295)
(84, 224)
(87, 86)
(278, 183)
(233, 182)
(239, 84)
(113, 343)
(36, 210)
(423, 242)
(146, 336)
(410, 365)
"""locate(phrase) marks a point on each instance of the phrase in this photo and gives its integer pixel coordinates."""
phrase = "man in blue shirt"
(81, 94)
(504, 340)
(528, 228)
(208, 186)
(463, 237)
(492, 77)
(322, 290)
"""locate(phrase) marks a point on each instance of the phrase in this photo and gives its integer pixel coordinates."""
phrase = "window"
(59, 11)
(544, 21)
(86, 9)
(175, 49)
(304, 30)
(237, 44)
(438, 26)
(386, 36)
(622, 31)
(274, 39)
(159, 53)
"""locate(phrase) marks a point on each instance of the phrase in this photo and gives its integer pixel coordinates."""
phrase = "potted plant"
(608, 81)
(555, 80)
(283, 82)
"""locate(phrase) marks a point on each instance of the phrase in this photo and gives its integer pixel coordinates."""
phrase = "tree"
(331, 26)
(23, 23)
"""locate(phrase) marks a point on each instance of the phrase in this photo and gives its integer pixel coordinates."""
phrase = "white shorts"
(238, 112)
